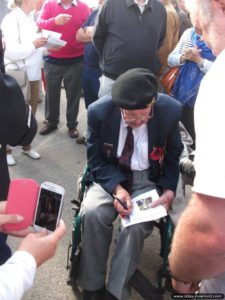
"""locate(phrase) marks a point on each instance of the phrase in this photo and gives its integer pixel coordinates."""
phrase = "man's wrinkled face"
(182, 5)
(136, 118)
(211, 28)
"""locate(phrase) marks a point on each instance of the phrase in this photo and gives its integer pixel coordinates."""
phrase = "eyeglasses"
(142, 118)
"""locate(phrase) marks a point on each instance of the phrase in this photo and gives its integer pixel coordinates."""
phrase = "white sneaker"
(11, 160)
(31, 153)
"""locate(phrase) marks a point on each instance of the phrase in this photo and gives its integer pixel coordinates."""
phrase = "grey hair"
(14, 3)
(202, 7)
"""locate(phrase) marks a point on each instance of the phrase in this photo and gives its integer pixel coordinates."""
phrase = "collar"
(141, 4)
(20, 13)
(74, 2)
(122, 120)
(148, 3)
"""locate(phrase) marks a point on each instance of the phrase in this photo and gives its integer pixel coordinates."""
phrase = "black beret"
(17, 125)
(134, 89)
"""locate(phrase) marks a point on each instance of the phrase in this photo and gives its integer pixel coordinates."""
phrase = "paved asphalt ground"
(61, 162)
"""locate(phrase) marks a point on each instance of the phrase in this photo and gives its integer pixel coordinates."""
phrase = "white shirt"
(139, 160)
(210, 125)
(19, 32)
(17, 275)
(141, 5)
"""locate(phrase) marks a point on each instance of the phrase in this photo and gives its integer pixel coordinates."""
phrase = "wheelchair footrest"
(144, 287)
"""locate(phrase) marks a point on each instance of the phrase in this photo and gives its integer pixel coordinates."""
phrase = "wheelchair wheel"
(164, 280)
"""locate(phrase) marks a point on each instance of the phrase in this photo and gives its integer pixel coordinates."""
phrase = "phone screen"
(48, 209)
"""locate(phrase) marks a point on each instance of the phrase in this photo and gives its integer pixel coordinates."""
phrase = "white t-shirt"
(210, 127)
(17, 275)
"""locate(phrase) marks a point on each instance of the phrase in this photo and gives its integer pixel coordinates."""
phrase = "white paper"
(53, 39)
(142, 210)
(46, 33)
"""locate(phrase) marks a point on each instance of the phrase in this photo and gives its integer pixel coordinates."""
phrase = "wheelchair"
(138, 281)
(165, 226)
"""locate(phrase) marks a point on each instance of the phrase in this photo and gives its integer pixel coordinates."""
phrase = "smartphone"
(49, 206)
(21, 200)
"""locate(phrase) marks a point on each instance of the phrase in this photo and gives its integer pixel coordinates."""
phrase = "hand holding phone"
(49, 206)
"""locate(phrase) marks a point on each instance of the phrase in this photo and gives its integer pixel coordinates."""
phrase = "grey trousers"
(98, 214)
(71, 75)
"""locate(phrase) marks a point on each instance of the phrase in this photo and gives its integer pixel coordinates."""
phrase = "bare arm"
(198, 247)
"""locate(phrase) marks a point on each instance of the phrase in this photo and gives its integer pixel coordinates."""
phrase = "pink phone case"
(22, 199)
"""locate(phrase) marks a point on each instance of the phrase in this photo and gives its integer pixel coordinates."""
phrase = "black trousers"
(187, 119)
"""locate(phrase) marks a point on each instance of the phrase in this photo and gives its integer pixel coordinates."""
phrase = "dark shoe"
(109, 296)
(73, 133)
(94, 295)
(81, 140)
(47, 129)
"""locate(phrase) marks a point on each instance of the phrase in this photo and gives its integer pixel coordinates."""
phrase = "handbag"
(167, 80)
(21, 77)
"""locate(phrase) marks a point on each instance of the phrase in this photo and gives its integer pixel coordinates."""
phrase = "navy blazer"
(103, 135)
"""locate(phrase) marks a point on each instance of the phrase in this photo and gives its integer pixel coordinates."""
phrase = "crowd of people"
(116, 54)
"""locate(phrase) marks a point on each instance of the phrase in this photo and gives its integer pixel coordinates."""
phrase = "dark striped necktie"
(128, 150)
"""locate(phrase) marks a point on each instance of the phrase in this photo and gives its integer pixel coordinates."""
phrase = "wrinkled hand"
(185, 288)
(193, 54)
(124, 196)
(62, 19)
(42, 246)
(165, 199)
(40, 42)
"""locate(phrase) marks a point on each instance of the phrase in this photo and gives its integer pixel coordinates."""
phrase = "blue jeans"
(90, 84)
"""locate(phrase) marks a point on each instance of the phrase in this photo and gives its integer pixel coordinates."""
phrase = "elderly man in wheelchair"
(133, 146)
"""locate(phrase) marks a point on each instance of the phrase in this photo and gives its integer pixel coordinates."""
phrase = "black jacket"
(126, 39)
(2, 68)
(103, 135)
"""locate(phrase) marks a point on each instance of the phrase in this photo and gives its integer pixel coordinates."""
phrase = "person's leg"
(41, 95)
(34, 93)
(53, 75)
(10, 159)
(90, 84)
(97, 215)
(126, 258)
(129, 244)
(5, 251)
(187, 120)
(105, 86)
(72, 84)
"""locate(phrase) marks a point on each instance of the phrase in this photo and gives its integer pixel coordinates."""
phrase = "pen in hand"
(124, 204)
